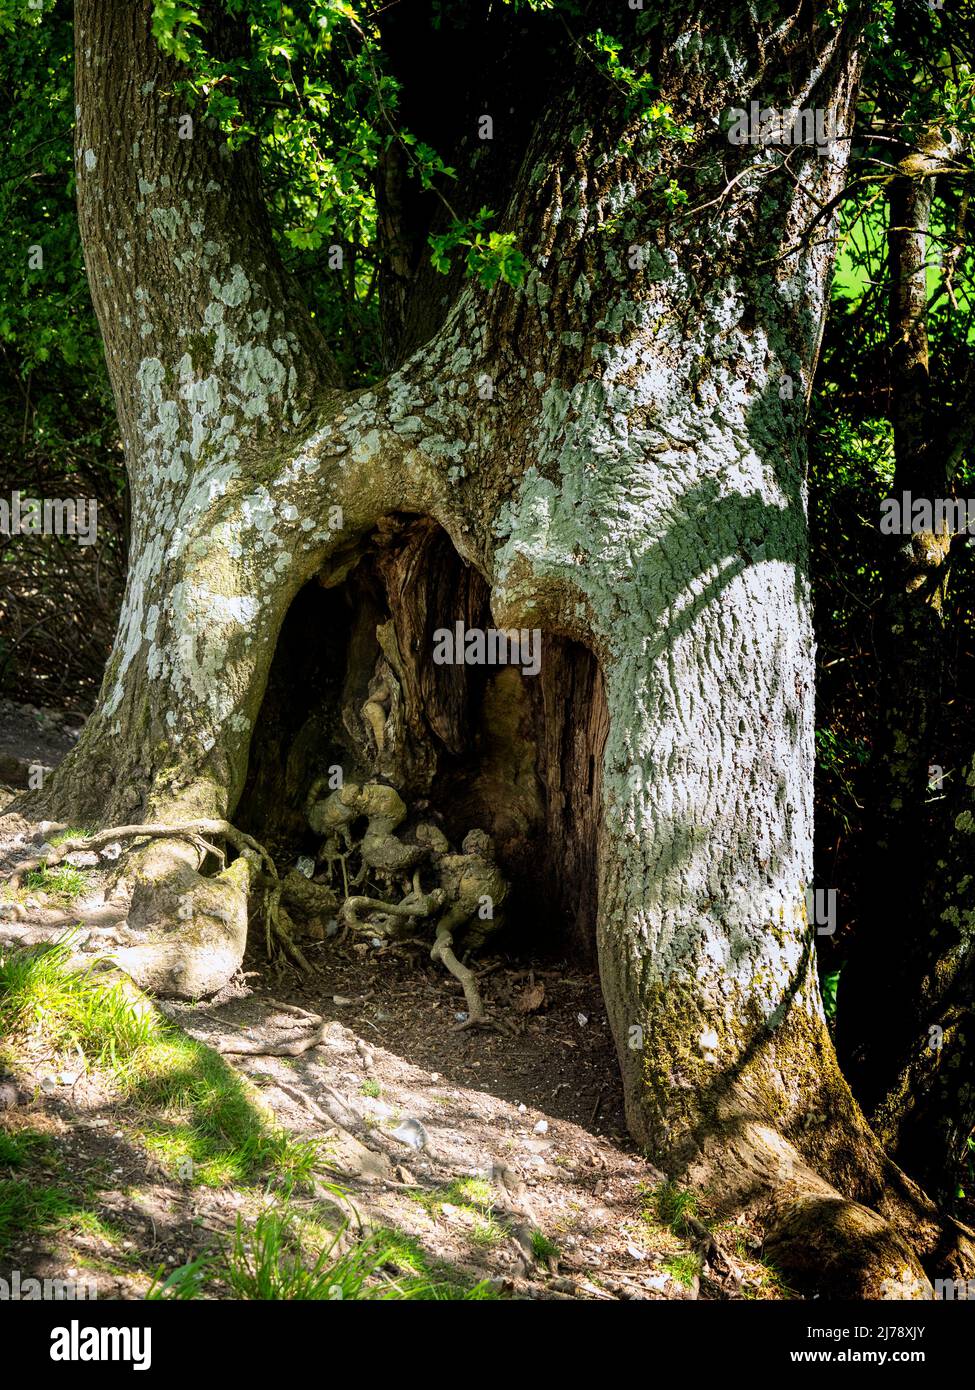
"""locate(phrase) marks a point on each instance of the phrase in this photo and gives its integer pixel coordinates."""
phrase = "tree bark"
(925, 1113)
(633, 483)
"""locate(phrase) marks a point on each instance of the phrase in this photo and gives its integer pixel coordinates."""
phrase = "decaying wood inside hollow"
(479, 746)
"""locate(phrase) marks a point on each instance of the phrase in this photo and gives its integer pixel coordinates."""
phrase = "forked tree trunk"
(634, 482)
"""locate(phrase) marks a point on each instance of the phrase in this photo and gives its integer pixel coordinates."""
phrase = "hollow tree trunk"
(634, 482)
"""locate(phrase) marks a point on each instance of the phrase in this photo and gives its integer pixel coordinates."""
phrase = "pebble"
(411, 1132)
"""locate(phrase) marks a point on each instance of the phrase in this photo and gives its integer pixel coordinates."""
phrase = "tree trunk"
(632, 483)
(925, 1110)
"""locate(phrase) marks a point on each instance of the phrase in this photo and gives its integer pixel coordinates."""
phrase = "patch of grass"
(486, 1232)
(101, 1264)
(768, 1283)
(198, 1116)
(542, 1248)
(404, 1254)
(41, 997)
(671, 1206)
(64, 881)
(271, 1262)
(72, 833)
(473, 1193)
(27, 1207)
(484, 1292)
(91, 1223)
(18, 1147)
(192, 1280)
(474, 1196)
(422, 1281)
(371, 1088)
(202, 1122)
(266, 1263)
(684, 1268)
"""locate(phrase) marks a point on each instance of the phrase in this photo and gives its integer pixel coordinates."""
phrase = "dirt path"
(425, 1140)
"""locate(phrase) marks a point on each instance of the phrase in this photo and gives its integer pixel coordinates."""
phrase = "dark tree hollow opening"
(354, 694)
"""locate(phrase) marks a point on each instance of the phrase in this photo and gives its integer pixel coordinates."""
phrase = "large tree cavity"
(353, 694)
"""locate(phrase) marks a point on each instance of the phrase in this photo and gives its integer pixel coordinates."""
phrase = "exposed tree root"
(277, 926)
(255, 1047)
(423, 905)
(295, 1009)
(443, 952)
(195, 831)
(306, 1103)
(825, 1234)
(199, 833)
